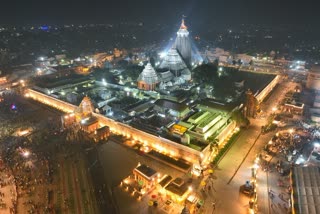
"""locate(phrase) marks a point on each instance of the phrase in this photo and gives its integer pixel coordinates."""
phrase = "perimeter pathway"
(235, 168)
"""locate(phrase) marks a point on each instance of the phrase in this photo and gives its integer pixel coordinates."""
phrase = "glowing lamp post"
(26, 153)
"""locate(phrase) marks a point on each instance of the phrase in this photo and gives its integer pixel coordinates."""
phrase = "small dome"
(149, 75)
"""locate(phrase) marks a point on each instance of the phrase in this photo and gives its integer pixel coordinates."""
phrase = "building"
(173, 108)
(85, 109)
(315, 110)
(177, 190)
(294, 107)
(146, 177)
(174, 63)
(313, 78)
(68, 120)
(251, 105)
(83, 113)
(183, 43)
(148, 79)
(89, 124)
(101, 133)
(305, 197)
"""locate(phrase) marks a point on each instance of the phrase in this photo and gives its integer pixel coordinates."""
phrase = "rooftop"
(178, 190)
(146, 171)
(89, 121)
(306, 189)
(165, 180)
(171, 105)
(173, 61)
(149, 75)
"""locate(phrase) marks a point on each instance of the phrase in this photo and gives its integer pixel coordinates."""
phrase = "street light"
(26, 153)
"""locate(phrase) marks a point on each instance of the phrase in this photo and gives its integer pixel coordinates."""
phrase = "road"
(235, 168)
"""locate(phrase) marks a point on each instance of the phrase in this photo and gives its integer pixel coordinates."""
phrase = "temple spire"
(183, 26)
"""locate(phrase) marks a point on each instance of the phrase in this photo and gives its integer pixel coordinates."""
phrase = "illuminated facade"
(183, 43)
(175, 64)
(251, 105)
(85, 108)
(157, 143)
(148, 79)
(177, 190)
(146, 177)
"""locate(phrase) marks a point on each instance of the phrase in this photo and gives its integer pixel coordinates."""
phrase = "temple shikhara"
(174, 68)
(148, 79)
(183, 43)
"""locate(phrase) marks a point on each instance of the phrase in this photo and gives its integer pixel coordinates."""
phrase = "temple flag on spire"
(183, 26)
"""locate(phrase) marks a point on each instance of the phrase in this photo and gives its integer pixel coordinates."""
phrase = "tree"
(205, 73)
(240, 119)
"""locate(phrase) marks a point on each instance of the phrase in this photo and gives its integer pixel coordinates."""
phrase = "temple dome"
(173, 61)
(149, 75)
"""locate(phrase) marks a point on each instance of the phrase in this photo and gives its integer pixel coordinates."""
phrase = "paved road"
(234, 169)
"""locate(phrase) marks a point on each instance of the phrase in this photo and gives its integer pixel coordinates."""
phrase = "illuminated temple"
(177, 60)
(183, 43)
(148, 79)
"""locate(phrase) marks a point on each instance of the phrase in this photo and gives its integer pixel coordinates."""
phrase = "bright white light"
(316, 145)
(162, 54)
(255, 166)
(300, 160)
(83, 121)
(161, 115)
(220, 69)
(26, 153)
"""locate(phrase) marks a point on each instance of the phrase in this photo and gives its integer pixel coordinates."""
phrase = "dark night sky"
(223, 12)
